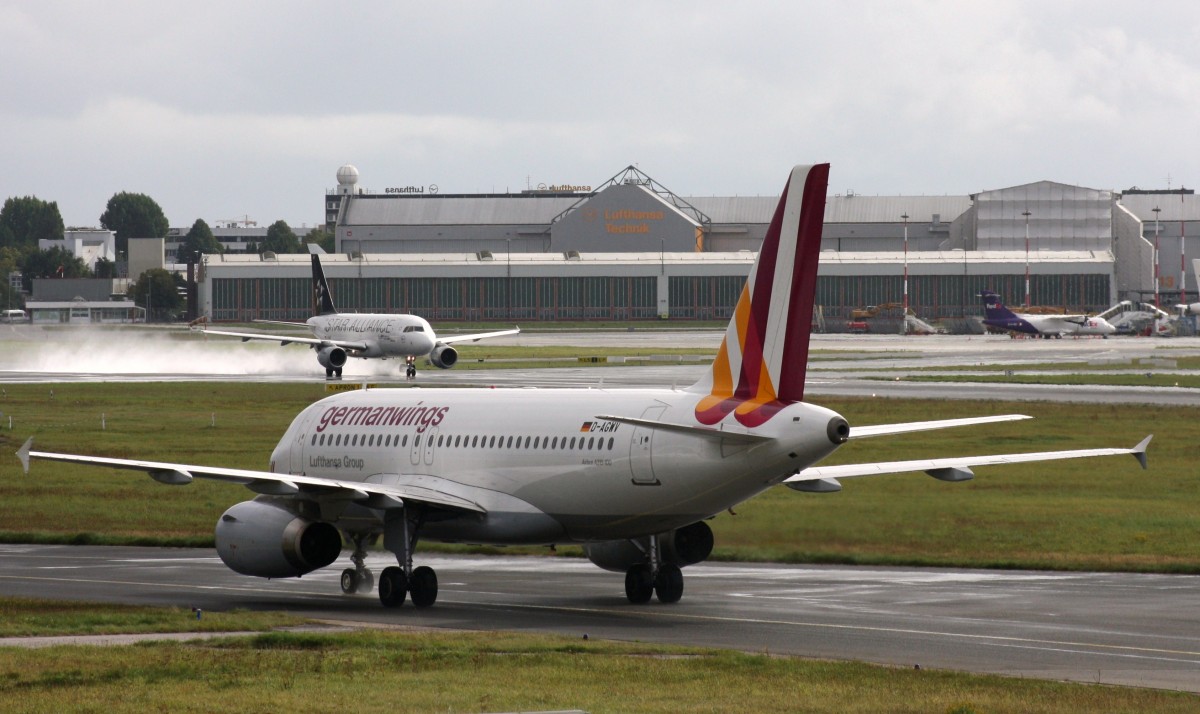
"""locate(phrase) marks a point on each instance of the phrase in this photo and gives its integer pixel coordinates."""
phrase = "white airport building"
(630, 249)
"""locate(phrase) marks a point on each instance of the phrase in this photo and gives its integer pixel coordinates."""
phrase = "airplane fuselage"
(382, 335)
(542, 465)
(1052, 325)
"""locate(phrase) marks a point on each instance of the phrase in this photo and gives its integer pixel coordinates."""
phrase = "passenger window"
(474, 441)
(536, 441)
(441, 438)
(610, 443)
(404, 440)
(510, 442)
(572, 442)
(457, 441)
(416, 441)
(591, 439)
(527, 442)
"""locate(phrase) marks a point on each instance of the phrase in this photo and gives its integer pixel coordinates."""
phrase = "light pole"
(905, 217)
(1157, 279)
(1182, 256)
(1026, 214)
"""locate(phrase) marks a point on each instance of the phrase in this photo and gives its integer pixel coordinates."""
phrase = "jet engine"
(331, 357)
(683, 546)
(443, 356)
(264, 539)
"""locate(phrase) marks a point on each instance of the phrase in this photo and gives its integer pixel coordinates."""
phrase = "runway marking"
(1123, 651)
(860, 628)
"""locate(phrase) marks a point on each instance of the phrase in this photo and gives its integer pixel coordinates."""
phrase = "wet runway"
(1128, 629)
(841, 365)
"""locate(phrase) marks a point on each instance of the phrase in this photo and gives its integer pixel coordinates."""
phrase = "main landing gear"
(654, 578)
(333, 373)
(395, 583)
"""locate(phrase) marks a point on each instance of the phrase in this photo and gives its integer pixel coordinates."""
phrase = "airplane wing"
(289, 339)
(952, 469)
(269, 483)
(476, 337)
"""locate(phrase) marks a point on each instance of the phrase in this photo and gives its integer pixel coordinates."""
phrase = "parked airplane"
(339, 336)
(632, 474)
(1047, 326)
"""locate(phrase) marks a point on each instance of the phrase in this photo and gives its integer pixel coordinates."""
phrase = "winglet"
(23, 453)
(1139, 451)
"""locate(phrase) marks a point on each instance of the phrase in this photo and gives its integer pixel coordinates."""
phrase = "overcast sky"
(219, 110)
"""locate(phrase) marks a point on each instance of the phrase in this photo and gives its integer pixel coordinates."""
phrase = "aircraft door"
(641, 464)
(297, 454)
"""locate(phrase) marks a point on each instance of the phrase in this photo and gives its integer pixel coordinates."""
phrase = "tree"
(53, 263)
(157, 290)
(133, 215)
(280, 239)
(24, 221)
(105, 268)
(321, 237)
(198, 240)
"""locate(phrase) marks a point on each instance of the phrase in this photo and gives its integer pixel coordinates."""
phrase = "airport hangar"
(630, 249)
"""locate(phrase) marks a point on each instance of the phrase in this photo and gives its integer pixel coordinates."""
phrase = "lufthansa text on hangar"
(630, 249)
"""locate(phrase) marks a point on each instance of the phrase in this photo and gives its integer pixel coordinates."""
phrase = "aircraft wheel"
(669, 584)
(393, 586)
(338, 371)
(424, 586)
(349, 581)
(639, 584)
(328, 373)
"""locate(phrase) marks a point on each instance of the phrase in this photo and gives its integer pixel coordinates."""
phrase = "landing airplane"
(1046, 326)
(339, 336)
(631, 474)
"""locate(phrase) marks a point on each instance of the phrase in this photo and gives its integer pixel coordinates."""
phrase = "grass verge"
(1094, 514)
(21, 617)
(479, 672)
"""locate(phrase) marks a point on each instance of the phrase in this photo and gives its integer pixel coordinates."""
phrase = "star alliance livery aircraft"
(339, 336)
(631, 474)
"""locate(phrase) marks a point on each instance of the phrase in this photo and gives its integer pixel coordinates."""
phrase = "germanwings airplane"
(339, 336)
(631, 474)
(1046, 326)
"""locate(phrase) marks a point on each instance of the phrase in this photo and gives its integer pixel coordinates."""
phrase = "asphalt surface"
(1128, 629)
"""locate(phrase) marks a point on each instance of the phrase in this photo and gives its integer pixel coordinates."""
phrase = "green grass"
(20, 617)
(1096, 514)
(378, 671)
(1155, 379)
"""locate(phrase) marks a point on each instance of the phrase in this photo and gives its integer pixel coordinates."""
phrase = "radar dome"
(347, 175)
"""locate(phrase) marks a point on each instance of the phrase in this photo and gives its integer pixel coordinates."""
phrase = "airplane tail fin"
(761, 365)
(321, 289)
(993, 308)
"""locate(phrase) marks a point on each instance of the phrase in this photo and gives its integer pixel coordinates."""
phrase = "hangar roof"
(535, 209)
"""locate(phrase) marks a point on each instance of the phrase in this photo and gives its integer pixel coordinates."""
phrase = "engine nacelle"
(682, 547)
(331, 357)
(443, 356)
(263, 539)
